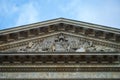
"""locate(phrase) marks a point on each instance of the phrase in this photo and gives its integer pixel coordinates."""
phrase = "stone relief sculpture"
(62, 43)
(53, 47)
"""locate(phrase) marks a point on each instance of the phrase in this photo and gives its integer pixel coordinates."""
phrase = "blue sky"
(20, 12)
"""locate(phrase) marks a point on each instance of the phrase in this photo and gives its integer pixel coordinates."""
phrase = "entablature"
(59, 58)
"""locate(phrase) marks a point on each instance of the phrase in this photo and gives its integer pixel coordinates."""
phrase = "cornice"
(30, 26)
(61, 20)
(91, 25)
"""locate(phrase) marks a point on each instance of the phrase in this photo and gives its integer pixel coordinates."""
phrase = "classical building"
(60, 49)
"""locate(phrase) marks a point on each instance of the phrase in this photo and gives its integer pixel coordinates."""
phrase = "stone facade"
(62, 43)
(60, 49)
(60, 75)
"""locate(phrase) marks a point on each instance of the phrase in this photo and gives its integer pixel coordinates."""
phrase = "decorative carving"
(63, 43)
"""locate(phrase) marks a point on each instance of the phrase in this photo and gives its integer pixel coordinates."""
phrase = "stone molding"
(64, 79)
(60, 69)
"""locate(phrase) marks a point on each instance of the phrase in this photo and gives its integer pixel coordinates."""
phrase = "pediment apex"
(58, 25)
(64, 21)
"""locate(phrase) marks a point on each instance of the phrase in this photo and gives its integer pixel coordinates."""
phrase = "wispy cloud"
(27, 14)
(15, 13)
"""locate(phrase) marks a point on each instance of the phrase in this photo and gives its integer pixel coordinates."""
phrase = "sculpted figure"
(91, 49)
(63, 43)
(86, 45)
(61, 38)
(81, 50)
(91, 43)
(21, 49)
(39, 49)
(53, 47)
(68, 48)
(30, 44)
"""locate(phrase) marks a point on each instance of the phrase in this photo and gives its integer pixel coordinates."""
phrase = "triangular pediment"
(83, 33)
(62, 42)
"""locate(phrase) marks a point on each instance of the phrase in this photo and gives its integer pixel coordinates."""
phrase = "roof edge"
(61, 19)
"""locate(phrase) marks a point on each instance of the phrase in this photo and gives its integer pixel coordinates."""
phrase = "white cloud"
(28, 13)
(104, 12)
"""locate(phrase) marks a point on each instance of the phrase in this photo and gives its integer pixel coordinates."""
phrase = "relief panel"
(62, 43)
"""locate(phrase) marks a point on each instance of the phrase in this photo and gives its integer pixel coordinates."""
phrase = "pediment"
(62, 42)
(86, 37)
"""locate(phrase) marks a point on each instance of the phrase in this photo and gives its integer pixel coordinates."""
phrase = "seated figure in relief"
(83, 47)
(81, 50)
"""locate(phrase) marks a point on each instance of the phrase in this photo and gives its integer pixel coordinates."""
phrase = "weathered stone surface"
(62, 43)
(60, 35)
(58, 75)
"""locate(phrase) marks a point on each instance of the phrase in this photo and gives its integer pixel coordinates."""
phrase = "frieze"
(62, 43)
